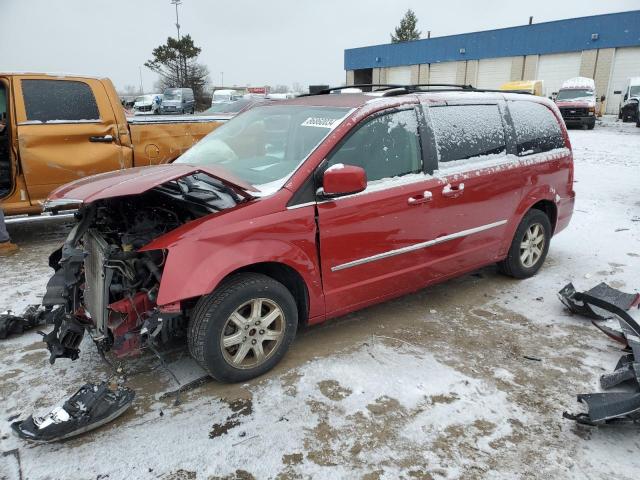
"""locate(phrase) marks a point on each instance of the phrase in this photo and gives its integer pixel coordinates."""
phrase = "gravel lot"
(434, 385)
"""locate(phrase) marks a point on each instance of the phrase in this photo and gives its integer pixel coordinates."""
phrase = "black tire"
(211, 319)
(513, 264)
(592, 125)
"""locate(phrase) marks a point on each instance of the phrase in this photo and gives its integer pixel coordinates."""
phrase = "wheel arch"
(543, 199)
(550, 209)
(288, 276)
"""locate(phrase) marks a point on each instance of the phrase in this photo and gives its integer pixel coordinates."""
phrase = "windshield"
(175, 94)
(573, 93)
(227, 107)
(634, 91)
(265, 145)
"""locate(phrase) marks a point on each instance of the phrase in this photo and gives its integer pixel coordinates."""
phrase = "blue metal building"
(603, 47)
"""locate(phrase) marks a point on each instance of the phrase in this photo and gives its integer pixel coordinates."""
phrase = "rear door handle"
(101, 139)
(453, 191)
(418, 199)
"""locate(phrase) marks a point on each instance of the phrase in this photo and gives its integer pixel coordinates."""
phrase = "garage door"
(626, 63)
(555, 69)
(443, 72)
(494, 72)
(399, 75)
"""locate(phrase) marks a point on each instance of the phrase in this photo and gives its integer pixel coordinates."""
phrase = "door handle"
(101, 139)
(453, 191)
(418, 199)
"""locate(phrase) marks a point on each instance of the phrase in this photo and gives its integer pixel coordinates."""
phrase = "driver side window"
(386, 146)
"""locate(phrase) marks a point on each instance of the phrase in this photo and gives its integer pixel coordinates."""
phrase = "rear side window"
(536, 127)
(386, 146)
(467, 131)
(59, 100)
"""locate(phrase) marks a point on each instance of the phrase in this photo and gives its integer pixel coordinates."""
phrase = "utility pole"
(221, 79)
(177, 3)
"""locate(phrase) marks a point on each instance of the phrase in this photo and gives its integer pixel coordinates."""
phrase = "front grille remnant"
(96, 284)
(574, 112)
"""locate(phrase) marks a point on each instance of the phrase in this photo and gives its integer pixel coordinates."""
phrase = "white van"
(148, 104)
(225, 96)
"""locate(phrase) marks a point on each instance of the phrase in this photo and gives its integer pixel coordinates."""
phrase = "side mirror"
(340, 179)
(625, 97)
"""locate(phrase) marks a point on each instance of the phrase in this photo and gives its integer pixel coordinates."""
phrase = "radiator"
(97, 279)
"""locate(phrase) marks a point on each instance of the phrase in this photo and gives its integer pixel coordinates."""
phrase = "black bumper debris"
(33, 316)
(90, 407)
(600, 303)
(574, 300)
(609, 408)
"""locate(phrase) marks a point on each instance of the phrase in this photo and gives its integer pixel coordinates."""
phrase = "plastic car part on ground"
(574, 300)
(90, 407)
(620, 407)
(33, 316)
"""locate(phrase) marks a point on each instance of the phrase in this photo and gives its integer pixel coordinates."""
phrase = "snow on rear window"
(59, 101)
(467, 131)
(386, 146)
(536, 127)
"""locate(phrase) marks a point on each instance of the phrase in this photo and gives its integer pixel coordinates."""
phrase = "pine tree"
(407, 29)
(176, 63)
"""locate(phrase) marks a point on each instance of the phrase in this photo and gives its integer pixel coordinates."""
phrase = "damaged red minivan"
(304, 210)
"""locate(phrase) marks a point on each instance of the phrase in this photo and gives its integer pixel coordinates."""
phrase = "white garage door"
(626, 63)
(443, 72)
(399, 75)
(555, 69)
(494, 72)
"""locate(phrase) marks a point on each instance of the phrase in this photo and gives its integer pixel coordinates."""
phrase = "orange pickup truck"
(58, 128)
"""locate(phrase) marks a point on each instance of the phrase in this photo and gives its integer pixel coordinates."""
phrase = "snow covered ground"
(431, 386)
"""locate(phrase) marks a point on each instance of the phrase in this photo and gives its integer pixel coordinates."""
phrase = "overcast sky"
(252, 42)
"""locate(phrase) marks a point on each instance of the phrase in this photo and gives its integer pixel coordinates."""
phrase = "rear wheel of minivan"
(529, 247)
(244, 328)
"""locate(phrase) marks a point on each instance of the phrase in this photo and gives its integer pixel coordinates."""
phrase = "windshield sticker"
(320, 122)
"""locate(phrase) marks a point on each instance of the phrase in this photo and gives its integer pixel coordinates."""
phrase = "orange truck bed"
(63, 127)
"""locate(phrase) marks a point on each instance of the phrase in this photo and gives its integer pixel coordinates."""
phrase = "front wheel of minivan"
(529, 247)
(244, 328)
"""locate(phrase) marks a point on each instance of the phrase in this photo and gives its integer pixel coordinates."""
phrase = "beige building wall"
(423, 73)
(461, 72)
(350, 77)
(588, 63)
(415, 74)
(604, 64)
(530, 67)
(471, 77)
(379, 75)
(517, 68)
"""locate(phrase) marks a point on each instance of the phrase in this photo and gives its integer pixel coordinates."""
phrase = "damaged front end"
(106, 285)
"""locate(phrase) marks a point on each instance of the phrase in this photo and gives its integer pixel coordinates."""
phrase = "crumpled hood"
(134, 181)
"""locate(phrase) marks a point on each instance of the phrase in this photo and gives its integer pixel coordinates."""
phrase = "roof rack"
(395, 89)
(326, 91)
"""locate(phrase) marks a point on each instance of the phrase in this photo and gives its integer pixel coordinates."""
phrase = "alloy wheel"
(532, 245)
(252, 333)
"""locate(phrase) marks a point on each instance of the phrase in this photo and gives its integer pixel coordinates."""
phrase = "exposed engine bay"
(103, 284)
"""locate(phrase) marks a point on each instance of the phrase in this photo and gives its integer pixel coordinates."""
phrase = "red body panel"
(321, 240)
